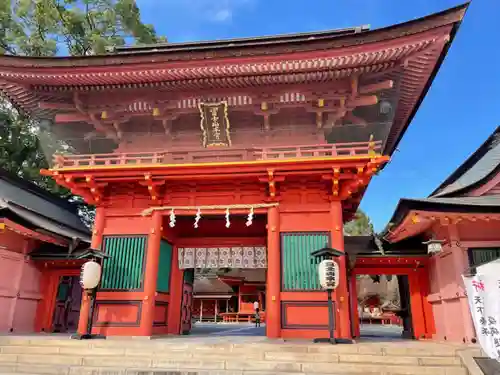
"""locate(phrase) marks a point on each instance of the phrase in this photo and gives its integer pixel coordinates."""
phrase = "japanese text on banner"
(483, 291)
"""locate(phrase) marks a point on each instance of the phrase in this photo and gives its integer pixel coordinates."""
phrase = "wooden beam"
(62, 118)
(374, 87)
(53, 105)
(362, 101)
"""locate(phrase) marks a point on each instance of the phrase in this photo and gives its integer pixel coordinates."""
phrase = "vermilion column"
(460, 263)
(96, 243)
(342, 295)
(273, 282)
(151, 275)
(176, 295)
(354, 305)
(416, 303)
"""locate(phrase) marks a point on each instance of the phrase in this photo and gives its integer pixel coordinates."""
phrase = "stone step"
(57, 364)
(176, 356)
(69, 355)
(121, 347)
(234, 368)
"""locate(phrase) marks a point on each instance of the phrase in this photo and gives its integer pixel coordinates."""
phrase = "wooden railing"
(218, 155)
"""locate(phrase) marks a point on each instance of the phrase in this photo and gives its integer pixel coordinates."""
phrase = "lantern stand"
(95, 256)
(329, 253)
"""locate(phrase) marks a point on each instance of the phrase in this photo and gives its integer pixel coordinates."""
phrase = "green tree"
(49, 28)
(359, 226)
(75, 27)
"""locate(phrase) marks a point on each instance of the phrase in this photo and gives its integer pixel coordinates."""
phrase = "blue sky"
(458, 114)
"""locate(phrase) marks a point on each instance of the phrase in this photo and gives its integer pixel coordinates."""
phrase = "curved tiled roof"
(479, 166)
(409, 53)
(204, 285)
(40, 208)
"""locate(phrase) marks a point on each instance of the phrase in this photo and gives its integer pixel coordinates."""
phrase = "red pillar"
(353, 293)
(95, 244)
(460, 263)
(341, 294)
(273, 282)
(430, 328)
(176, 291)
(151, 275)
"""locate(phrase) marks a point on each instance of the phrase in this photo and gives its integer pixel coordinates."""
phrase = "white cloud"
(222, 15)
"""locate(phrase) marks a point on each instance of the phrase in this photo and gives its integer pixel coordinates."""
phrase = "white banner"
(483, 291)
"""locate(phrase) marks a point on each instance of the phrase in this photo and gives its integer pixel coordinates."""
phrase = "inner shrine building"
(242, 153)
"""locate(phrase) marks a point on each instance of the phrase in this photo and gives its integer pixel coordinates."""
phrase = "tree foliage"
(361, 225)
(43, 28)
(74, 27)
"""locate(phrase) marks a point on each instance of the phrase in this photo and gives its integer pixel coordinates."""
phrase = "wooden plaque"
(214, 124)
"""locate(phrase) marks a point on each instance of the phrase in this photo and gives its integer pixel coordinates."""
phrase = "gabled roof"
(474, 205)
(23, 201)
(481, 165)
(206, 285)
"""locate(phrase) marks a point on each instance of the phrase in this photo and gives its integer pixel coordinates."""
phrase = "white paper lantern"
(434, 247)
(328, 271)
(90, 275)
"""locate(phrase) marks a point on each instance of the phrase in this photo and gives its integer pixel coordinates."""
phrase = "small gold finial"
(104, 115)
(156, 112)
(321, 103)
(371, 146)
(263, 106)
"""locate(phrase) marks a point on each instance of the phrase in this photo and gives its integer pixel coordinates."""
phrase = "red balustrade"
(218, 155)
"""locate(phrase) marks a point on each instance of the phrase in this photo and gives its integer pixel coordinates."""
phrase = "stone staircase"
(223, 356)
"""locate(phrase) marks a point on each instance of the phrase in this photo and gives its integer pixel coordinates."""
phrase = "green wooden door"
(299, 269)
(164, 267)
(124, 269)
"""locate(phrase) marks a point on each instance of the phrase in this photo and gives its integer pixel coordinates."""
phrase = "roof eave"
(405, 206)
(390, 148)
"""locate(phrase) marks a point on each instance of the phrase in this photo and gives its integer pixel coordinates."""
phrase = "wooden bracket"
(152, 186)
(68, 183)
(95, 188)
(352, 186)
(334, 178)
(271, 180)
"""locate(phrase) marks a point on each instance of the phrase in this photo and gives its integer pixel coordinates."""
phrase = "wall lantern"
(329, 279)
(434, 246)
(90, 278)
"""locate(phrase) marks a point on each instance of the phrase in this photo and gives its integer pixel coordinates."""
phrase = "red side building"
(463, 214)
(40, 234)
(244, 153)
